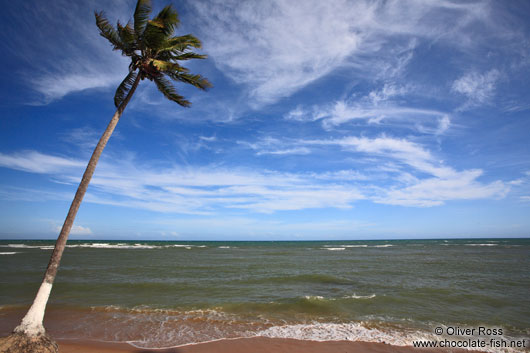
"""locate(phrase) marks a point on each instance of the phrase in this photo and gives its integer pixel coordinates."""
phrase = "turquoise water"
(160, 294)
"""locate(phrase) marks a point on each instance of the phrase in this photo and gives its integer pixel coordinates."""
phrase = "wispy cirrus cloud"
(479, 88)
(36, 162)
(274, 146)
(72, 57)
(198, 190)
(378, 107)
(435, 191)
(414, 176)
(278, 47)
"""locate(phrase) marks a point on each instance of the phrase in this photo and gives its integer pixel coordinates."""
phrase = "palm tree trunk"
(31, 324)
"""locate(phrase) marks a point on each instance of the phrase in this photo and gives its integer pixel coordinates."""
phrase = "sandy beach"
(253, 345)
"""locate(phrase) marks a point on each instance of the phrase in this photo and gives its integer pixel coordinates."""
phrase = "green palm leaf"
(194, 80)
(107, 31)
(169, 91)
(154, 36)
(167, 19)
(188, 56)
(141, 17)
(127, 37)
(154, 52)
(182, 43)
(167, 66)
(124, 88)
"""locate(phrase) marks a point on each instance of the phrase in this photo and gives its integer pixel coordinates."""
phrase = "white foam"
(367, 246)
(224, 247)
(22, 246)
(107, 246)
(113, 246)
(188, 247)
(314, 297)
(8, 253)
(481, 244)
(358, 332)
(354, 296)
(334, 249)
(338, 332)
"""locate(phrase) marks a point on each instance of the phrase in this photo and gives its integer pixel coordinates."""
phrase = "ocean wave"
(481, 244)
(107, 246)
(334, 249)
(365, 332)
(8, 253)
(113, 246)
(314, 297)
(354, 296)
(21, 246)
(188, 247)
(367, 246)
(339, 332)
(151, 328)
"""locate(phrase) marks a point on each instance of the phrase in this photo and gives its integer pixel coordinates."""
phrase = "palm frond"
(181, 43)
(168, 19)
(141, 17)
(154, 51)
(194, 80)
(188, 56)
(154, 36)
(124, 88)
(127, 37)
(167, 66)
(167, 89)
(107, 31)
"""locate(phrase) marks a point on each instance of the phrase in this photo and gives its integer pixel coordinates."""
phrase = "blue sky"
(327, 120)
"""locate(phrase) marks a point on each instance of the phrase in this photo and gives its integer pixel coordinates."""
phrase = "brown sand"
(252, 345)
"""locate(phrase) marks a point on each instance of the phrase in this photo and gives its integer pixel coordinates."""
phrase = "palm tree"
(155, 54)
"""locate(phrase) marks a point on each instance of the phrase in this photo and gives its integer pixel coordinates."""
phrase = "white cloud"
(72, 57)
(36, 162)
(445, 183)
(273, 146)
(299, 114)
(57, 85)
(76, 230)
(190, 190)
(275, 48)
(376, 108)
(416, 179)
(435, 191)
(478, 88)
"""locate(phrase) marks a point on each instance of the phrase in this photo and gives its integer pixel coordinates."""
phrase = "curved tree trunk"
(32, 323)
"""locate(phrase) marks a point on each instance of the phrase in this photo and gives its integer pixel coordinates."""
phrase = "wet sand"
(252, 345)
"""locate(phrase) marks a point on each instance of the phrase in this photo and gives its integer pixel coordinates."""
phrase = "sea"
(164, 294)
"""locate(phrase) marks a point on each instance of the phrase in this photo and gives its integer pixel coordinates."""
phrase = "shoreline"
(252, 344)
(83, 342)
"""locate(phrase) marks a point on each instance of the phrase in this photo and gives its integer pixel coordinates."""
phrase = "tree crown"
(154, 51)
